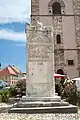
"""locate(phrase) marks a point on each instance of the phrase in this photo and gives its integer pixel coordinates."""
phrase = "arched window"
(58, 39)
(56, 7)
(60, 71)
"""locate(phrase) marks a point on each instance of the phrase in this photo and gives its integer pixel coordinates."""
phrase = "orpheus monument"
(40, 85)
(40, 61)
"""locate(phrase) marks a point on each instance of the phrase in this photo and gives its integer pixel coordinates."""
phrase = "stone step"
(59, 109)
(45, 99)
(41, 104)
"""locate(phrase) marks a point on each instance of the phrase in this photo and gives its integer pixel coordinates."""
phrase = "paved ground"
(7, 116)
(4, 115)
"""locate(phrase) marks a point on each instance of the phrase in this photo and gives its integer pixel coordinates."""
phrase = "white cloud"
(8, 34)
(20, 44)
(10, 20)
(14, 10)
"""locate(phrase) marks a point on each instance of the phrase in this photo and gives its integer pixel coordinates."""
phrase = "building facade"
(64, 16)
(11, 75)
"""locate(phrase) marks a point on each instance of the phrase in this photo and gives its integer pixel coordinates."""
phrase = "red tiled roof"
(7, 71)
(11, 71)
(17, 71)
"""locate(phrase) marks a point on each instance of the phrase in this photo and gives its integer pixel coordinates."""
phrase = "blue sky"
(13, 16)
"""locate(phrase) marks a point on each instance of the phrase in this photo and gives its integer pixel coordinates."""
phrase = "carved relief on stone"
(39, 38)
(39, 41)
(36, 32)
(39, 52)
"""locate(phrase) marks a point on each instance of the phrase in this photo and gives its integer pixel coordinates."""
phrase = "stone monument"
(40, 61)
(40, 85)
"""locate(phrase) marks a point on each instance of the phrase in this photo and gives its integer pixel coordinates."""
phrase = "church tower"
(64, 16)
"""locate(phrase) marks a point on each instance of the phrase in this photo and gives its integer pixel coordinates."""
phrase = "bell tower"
(63, 15)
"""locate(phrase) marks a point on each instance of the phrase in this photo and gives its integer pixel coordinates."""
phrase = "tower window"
(70, 62)
(56, 7)
(58, 39)
(49, 11)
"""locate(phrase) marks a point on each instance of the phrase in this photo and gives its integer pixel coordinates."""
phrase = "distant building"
(64, 16)
(17, 71)
(10, 74)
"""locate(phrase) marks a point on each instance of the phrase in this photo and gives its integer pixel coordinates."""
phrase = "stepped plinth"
(43, 105)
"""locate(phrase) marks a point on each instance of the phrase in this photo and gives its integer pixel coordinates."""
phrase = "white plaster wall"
(69, 32)
(43, 10)
(72, 71)
(46, 20)
(43, 7)
(68, 7)
(70, 43)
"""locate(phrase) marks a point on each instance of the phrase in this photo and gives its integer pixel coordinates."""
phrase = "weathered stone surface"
(40, 90)
(76, 6)
(59, 54)
(35, 10)
(40, 61)
(60, 109)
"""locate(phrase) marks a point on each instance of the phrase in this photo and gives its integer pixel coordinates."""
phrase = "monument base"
(31, 105)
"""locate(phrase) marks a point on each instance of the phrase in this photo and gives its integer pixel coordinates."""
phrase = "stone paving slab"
(10, 116)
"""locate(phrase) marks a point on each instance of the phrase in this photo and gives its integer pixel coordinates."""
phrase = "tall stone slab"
(40, 61)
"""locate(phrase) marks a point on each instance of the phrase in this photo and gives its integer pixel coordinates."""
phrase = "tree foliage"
(67, 90)
(21, 84)
(21, 87)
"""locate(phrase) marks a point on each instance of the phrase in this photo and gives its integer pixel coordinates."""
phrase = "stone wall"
(76, 8)
(35, 10)
(59, 54)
